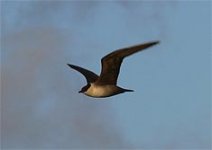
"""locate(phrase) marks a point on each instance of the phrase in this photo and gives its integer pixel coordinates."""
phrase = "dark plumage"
(106, 84)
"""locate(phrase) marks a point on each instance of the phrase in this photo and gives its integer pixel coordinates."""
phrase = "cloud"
(40, 104)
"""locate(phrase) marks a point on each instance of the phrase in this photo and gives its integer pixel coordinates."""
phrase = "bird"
(105, 84)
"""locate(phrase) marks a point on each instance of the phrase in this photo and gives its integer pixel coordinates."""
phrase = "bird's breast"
(101, 90)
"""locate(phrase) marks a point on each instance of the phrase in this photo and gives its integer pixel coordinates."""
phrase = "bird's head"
(85, 88)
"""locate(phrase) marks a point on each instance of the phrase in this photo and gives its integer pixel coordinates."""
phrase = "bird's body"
(101, 90)
(105, 85)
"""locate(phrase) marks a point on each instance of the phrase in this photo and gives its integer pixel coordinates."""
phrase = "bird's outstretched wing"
(89, 75)
(111, 63)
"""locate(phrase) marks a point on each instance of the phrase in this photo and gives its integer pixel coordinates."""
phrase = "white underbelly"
(100, 91)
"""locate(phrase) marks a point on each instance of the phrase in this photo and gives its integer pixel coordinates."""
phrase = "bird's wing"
(111, 63)
(90, 76)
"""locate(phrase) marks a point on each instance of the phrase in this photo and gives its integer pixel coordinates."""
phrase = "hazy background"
(40, 104)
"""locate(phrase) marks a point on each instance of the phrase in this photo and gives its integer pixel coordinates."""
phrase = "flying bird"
(105, 85)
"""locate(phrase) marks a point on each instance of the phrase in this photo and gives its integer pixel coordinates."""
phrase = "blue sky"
(40, 104)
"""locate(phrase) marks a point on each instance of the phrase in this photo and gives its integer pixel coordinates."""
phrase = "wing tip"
(155, 42)
(70, 65)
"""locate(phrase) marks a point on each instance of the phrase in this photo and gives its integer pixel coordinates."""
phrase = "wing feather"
(89, 75)
(111, 63)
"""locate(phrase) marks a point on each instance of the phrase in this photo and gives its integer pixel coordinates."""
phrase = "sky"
(40, 104)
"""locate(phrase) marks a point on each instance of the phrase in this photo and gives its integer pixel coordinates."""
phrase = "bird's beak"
(80, 92)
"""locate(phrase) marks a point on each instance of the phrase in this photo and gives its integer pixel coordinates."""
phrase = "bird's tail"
(128, 90)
